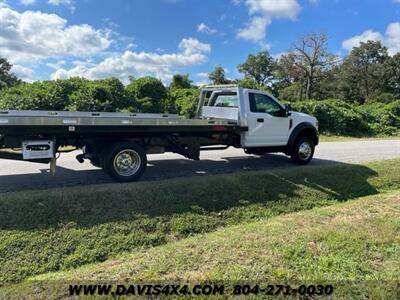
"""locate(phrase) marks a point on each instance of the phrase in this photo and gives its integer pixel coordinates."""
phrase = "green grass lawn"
(60, 230)
(354, 246)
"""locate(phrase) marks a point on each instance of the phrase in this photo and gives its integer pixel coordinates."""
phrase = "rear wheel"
(124, 161)
(303, 151)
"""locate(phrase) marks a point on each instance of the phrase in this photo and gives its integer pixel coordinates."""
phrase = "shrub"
(150, 91)
(39, 95)
(336, 117)
(72, 94)
(185, 100)
(341, 118)
(99, 95)
(385, 118)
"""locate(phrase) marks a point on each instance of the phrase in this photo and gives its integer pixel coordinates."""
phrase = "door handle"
(260, 120)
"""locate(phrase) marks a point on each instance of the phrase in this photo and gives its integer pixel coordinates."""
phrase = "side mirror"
(288, 109)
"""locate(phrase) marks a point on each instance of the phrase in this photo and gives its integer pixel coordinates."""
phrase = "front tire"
(124, 161)
(303, 151)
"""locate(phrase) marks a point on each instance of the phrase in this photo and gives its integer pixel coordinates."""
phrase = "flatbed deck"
(49, 122)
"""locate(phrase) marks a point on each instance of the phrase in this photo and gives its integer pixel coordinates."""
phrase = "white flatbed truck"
(227, 116)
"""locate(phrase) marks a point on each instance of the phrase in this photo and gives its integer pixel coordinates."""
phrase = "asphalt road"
(19, 175)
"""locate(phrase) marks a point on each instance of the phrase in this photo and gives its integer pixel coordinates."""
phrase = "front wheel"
(124, 161)
(303, 151)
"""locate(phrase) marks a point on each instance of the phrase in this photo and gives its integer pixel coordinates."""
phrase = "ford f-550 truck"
(227, 116)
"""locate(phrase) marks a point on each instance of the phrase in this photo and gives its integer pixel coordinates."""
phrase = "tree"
(311, 56)
(218, 76)
(259, 67)
(291, 93)
(247, 83)
(7, 79)
(289, 79)
(149, 92)
(392, 75)
(180, 82)
(362, 72)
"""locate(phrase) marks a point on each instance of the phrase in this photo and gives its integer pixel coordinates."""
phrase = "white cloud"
(131, 46)
(262, 13)
(60, 2)
(274, 8)
(3, 3)
(355, 41)
(192, 52)
(57, 65)
(27, 2)
(255, 30)
(24, 73)
(32, 36)
(68, 3)
(193, 46)
(203, 28)
(203, 75)
(390, 39)
(201, 83)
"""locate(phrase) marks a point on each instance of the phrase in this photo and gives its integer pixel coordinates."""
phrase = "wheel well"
(308, 132)
(303, 131)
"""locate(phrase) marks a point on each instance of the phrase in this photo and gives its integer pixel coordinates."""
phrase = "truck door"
(267, 122)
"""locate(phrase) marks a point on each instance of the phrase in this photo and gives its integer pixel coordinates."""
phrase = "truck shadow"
(157, 169)
(98, 204)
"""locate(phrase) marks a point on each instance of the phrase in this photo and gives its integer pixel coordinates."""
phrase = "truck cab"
(269, 124)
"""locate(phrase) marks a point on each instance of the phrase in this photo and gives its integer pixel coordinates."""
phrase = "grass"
(53, 230)
(343, 138)
(354, 246)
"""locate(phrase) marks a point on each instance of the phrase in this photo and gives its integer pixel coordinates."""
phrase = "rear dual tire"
(124, 161)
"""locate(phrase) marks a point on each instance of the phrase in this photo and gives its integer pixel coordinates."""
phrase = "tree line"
(351, 95)
(309, 71)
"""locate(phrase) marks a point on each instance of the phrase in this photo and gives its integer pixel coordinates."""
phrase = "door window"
(264, 104)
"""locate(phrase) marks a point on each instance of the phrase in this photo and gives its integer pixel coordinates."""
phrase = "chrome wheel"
(305, 151)
(127, 162)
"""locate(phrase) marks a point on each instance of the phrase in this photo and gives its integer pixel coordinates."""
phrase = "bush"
(385, 118)
(72, 94)
(100, 95)
(341, 118)
(39, 95)
(185, 100)
(335, 117)
(150, 92)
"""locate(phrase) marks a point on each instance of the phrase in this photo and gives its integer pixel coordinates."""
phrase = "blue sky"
(98, 38)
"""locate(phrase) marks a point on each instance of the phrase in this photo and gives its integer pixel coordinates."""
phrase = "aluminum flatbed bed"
(49, 122)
